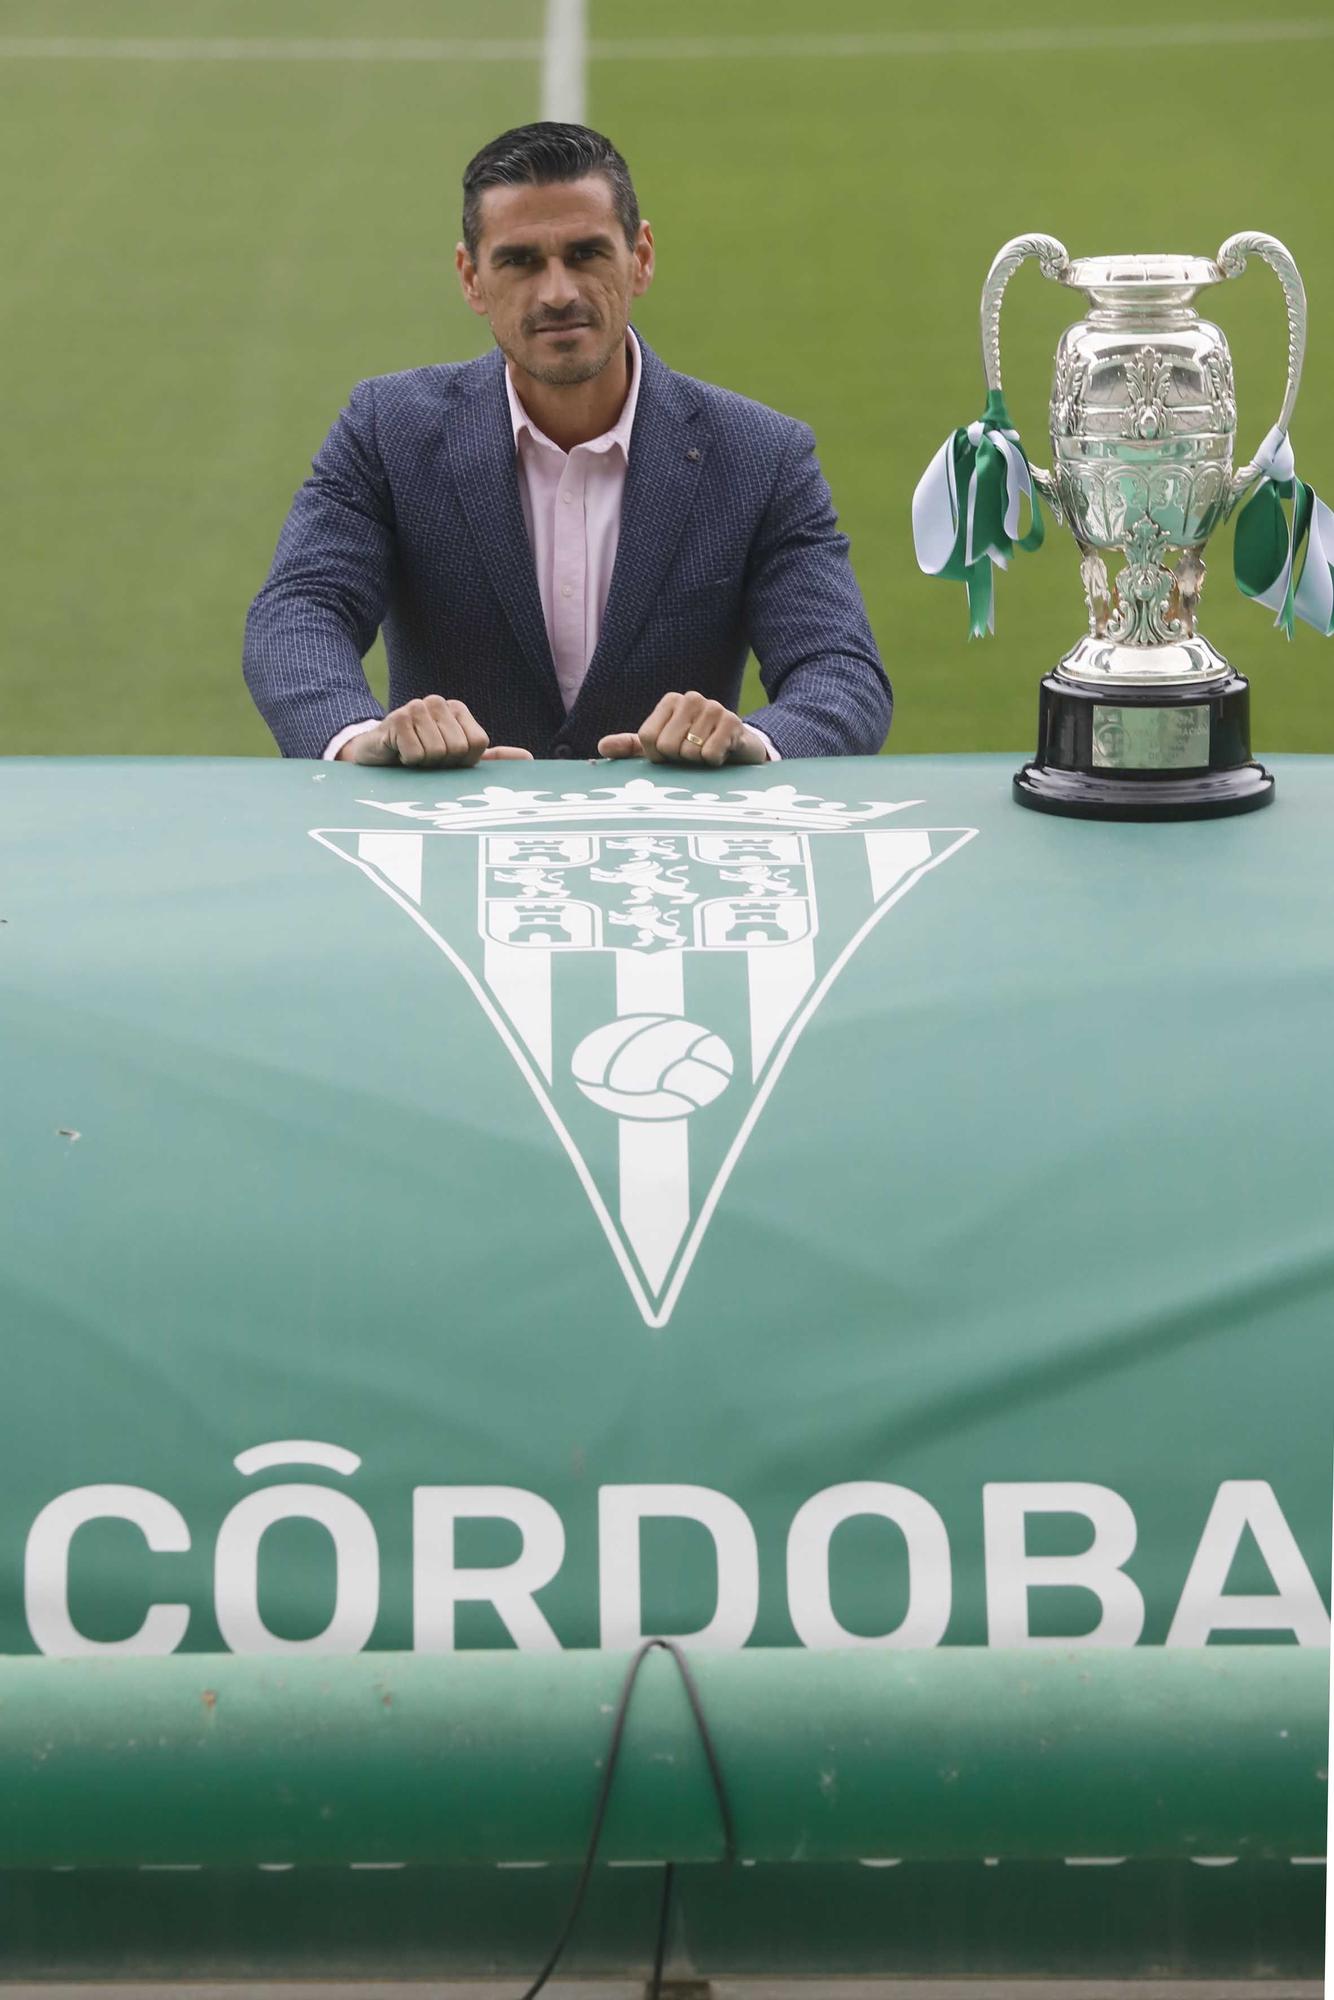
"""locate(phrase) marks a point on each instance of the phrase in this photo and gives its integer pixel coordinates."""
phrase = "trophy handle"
(1054, 261)
(1232, 262)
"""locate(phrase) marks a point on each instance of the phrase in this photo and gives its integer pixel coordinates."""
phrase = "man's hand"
(689, 729)
(430, 735)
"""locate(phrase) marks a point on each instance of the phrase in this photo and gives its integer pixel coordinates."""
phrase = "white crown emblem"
(640, 798)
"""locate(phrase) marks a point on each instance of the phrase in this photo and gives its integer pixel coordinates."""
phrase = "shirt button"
(563, 750)
(565, 590)
(569, 499)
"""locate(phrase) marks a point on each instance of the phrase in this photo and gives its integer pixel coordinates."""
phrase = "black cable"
(604, 1799)
(664, 1919)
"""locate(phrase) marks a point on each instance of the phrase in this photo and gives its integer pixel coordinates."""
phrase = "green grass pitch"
(200, 258)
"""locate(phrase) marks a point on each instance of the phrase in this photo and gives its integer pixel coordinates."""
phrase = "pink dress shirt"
(572, 510)
(571, 504)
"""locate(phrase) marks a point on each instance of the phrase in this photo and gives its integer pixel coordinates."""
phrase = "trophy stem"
(1131, 752)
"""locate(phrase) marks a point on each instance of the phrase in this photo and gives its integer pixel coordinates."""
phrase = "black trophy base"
(1144, 753)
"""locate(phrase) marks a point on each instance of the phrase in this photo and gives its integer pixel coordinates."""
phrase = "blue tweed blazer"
(411, 520)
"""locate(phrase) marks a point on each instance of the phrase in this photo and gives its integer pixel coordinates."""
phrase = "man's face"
(555, 276)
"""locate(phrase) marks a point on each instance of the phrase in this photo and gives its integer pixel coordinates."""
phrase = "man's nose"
(557, 288)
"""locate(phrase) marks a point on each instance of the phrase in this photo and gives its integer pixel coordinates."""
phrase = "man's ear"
(644, 258)
(467, 271)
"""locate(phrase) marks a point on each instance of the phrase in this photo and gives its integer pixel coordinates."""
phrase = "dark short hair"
(536, 156)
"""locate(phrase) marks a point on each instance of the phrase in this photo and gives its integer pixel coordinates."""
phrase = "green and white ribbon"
(1286, 561)
(966, 510)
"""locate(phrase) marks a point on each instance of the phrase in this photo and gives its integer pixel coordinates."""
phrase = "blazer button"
(562, 750)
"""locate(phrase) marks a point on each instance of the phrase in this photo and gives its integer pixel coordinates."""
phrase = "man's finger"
(653, 727)
(505, 750)
(430, 732)
(418, 735)
(431, 727)
(626, 744)
(474, 734)
(404, 737)
(722, 739)
(694, 718)
(455, 736)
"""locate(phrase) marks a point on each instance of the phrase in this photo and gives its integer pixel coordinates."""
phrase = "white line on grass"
(962, 42)
(697, 48)
(232, 49)
(564, 60)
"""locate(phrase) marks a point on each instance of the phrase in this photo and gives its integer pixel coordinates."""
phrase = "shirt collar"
(619, 434)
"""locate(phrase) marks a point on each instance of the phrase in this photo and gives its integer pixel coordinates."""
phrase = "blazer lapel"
(485, 473)
(667, 448)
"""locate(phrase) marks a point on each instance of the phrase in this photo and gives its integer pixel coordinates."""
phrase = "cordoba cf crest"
(649, 955)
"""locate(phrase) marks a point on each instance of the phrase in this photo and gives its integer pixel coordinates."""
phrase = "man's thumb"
(373, 746)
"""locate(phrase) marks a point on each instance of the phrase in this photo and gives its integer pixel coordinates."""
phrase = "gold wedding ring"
(698, 741)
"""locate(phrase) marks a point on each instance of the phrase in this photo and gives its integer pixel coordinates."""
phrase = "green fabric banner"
(819, 1205)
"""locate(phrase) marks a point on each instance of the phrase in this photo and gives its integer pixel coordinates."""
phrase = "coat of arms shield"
(649, 954)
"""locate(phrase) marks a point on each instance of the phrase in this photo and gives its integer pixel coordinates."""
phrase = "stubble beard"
(567, 373)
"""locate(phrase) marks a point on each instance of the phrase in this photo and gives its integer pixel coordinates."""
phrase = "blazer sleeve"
(828, 694)
(317, 616)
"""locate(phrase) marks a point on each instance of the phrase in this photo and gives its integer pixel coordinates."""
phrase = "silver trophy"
(1143, 718)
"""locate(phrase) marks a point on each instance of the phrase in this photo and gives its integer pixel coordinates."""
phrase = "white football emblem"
(652, 1066)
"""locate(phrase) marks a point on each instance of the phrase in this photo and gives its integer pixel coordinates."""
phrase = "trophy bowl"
(1143, 718)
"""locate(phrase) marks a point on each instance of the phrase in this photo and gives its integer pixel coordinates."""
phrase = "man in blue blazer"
(570, 548)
